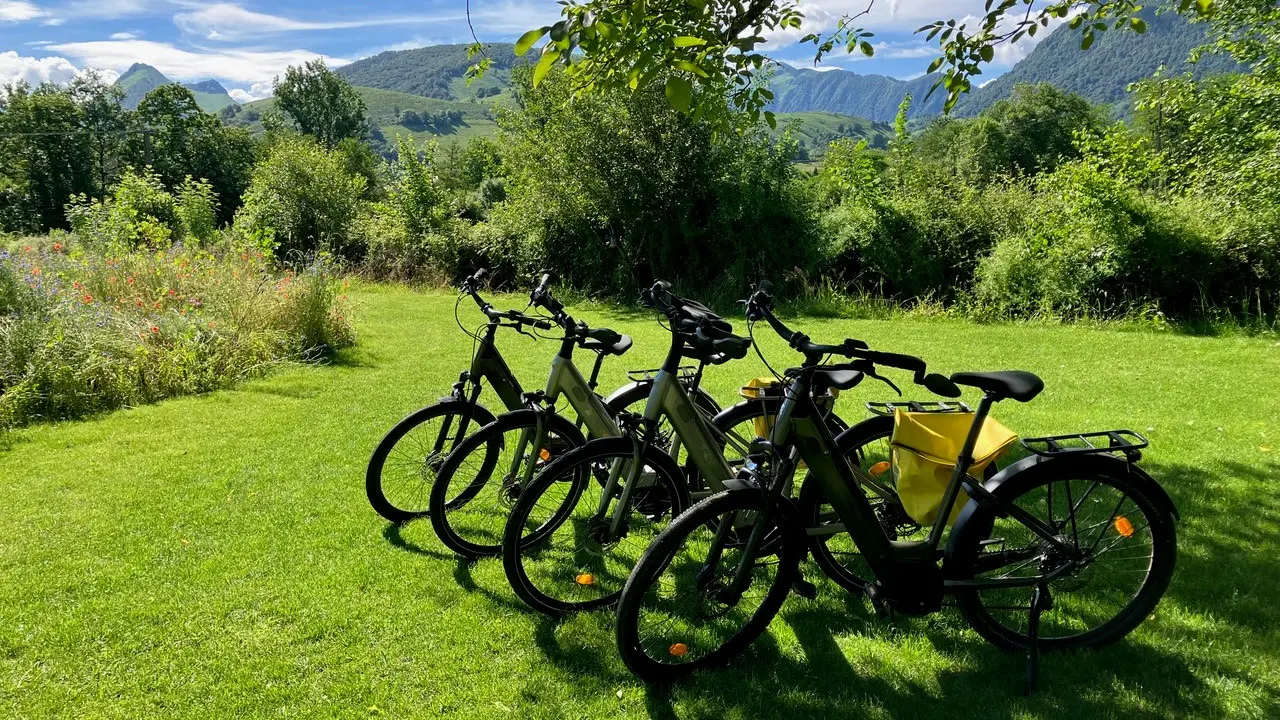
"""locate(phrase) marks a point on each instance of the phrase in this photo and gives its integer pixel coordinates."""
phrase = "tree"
(178, 139)
(46, 156)
(717, 46)
(302, 199)
(322, 103)
(106, 122)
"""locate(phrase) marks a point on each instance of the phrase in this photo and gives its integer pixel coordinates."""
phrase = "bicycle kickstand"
(1040, 601)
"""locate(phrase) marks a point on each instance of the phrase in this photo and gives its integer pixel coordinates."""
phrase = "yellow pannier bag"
(925, 447)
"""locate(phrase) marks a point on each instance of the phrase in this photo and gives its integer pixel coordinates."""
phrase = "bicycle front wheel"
(481, 479)
(405, 464)
(570, 542)
(684, 607)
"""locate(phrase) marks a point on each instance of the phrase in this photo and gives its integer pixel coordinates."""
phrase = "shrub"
(142, 213)
(616, 191)
(1095, 246)
(303, 200)
(82, 331)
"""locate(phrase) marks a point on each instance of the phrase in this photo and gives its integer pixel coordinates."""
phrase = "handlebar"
(760, 307)
(541, 295)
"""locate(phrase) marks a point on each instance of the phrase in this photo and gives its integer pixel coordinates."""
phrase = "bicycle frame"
(669, 398)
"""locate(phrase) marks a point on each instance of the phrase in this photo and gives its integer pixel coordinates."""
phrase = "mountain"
(141, 79)
(438, 71)
(870, 96)
(1103, 72)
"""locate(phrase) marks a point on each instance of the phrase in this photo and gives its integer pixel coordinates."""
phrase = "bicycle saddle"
(610, 344)
(836, 378)
(1017, 384)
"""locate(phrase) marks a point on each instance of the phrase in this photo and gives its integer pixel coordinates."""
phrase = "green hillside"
(437, 72)
(397, 113)
(839, 91)
(816, 130)
(1103, 72)
(141, 79)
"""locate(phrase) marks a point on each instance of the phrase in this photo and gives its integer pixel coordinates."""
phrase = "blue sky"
(247, 43)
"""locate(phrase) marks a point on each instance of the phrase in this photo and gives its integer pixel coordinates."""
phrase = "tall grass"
(83, 331)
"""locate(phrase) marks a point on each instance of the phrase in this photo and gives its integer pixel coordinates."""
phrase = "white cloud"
(241, 65)
(14, 67)
(123, 36)
(257, 91)
(229, 22)
(109, 8)
(19, 11)
(38, 43)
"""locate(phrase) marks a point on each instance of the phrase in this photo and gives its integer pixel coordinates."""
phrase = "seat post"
(595, 371)
(963, 462)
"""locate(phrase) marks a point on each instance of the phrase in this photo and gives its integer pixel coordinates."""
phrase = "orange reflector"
(679, 650)
(1124, 527)
(880, 468)
(585, 579)
(544, 454)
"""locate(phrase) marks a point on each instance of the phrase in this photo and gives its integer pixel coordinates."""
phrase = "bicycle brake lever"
(885, 380)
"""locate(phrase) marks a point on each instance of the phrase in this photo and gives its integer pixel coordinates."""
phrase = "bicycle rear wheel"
(1123, 529)
(677, 613)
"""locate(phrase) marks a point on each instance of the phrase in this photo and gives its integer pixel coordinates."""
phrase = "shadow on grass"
(393, 533)
(1226, 573)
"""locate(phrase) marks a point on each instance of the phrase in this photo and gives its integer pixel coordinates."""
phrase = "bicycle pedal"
(805, 589)
(878, 602)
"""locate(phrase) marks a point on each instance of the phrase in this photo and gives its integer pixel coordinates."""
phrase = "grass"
(215, 556)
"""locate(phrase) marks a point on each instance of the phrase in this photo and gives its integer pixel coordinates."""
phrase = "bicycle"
(407, 461)
(712, 580)
(518, 443)
(575, 532)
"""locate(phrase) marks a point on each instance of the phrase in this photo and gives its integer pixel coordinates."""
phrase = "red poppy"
(57, 246)
(88, 299)
(155, 330)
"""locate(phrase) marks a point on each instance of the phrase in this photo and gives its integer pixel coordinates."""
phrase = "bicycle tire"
(394, 510)
(659, 556)
(490, 437)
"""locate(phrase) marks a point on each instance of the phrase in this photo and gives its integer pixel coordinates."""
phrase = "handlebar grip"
(895, 360)
(941, 385)
(734, 347)
(543, 283)
(479, 275)
(765, 287)
(851, 347)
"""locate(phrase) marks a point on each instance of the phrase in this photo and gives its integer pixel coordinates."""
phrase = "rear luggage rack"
(887, 408)
(1126, 442)
(688, 372)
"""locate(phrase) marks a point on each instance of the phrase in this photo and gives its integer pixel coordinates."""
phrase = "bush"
(302, 200)
(83, 332)
(922, 241)
(142, 213)
(617, 191)
(1093, 246)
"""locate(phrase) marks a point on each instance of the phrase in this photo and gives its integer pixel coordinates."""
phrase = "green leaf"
(988, 53)
(866, 48)
(690, 67)
(772, 119)
(527, 40)
(687, 41)
(544, 66)
(1087, 42)
(679, 92)
(1138, 25)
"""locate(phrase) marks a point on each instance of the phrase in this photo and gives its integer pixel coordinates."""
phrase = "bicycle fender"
(973, 517)
(622, 391)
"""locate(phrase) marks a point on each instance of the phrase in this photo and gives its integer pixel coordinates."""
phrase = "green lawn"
(215, 556)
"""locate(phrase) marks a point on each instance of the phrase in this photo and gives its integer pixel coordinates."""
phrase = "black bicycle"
(405, 464)
(1070, 547)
